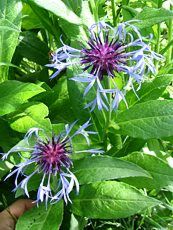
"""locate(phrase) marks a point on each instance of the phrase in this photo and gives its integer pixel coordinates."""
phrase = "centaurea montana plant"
(50, 158)
(108, 51)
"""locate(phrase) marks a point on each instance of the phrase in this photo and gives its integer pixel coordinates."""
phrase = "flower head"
(50, 158)
(103, 56)
(109, 51)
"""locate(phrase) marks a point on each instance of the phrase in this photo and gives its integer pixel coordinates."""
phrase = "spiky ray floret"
(108, 51)
(53, 154)
(50, 158)
(103, 57)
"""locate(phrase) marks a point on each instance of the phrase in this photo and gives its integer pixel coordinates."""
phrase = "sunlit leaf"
(40, 218)
(10, 24)
(15, 93)
(110, 199)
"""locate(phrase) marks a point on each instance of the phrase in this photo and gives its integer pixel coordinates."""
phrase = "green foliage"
(151, 90)
(103, 168)
(38, 50)
(29, 116)
(151, 119)
(4, 168)
(151, 16)
(15, 93)
(10, 25)
(159, 169)
(110, 199)
(119, 188)
(40, 218)
(60, 10)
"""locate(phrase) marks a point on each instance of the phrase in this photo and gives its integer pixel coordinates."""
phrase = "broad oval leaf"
(38, 50)
(150, 16)
(15, 93)
(10, 24)
(30, 20)
(99, 168)
(161, 172)
(40, 218)
(109, 200)
(77, 100)
(151, 90)
(29, 116)
(60, 9)
(151, 119)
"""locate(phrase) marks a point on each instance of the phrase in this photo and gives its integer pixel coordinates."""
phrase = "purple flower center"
(103, 57)
(53, 155)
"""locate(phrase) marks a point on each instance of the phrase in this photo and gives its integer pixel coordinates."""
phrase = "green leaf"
(161, 172)
(129, 146)
(151, 16)
(77, 100)
(5, 167)
(30, 20)
(45, 20)
(59, 103)
(77, 222)
(149, 90)
(152, 119)
(10, 24)
(75, 6)
(40, 218)
(59, 9)
(153, 90)
(99, 168)
(86, 15)
(7, 134)
(38, 50)
(33, 185)
(29, 116)
(109, 200)
(128, 12)
(77, 33)
(15, 93)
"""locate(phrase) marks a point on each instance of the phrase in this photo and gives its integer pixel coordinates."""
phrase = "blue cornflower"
(108, 51)
(50, 158)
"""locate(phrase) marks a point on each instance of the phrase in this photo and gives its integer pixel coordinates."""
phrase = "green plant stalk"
(167, 47)
(94, 10)
(54, 183)
(170, 24)
(4, 73)
(113, 12)
(108, 117)
(110, 103)
(157, 48)
(46, 23)
(93, 120)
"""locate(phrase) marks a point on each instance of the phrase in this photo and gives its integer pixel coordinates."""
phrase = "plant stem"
(108, 117)
(54, 183)
(170, 24)
(169, 45)
(157, 48)
(113, 12)
(94, 10)
(110, 101)
(4, 73)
